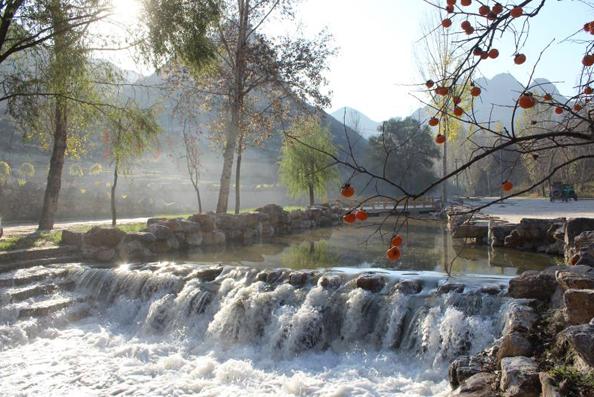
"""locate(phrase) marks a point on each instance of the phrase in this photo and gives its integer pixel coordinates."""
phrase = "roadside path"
(29, 228)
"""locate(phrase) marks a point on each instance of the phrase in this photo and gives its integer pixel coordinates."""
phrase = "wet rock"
(519, 377)
(514, 344)
(275, 276)
(207, 274)
(409, 287)
(161, 246)
(71, 238)
(482, 384)
(576, 277)
(547, 386)
(329, 282)
(579, 339)
(262, 276)
(536, 235)
(581, 251)
(135, 246)
(369, 282)
(297, 279)
(160, 231)
(533, 285)
(472, 229)
(498, 231)
(99, 254)
(194, 239)
(579, 305)
(464, 367)
(450, 287)
(576, 226)
(103, 237)
(490, 289)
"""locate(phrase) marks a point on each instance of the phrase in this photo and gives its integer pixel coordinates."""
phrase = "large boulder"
(103, 237)
(276, 214)
(72, 238)
(536, 235)
(464, 367)
(160, 231)
(482, 384)
(408, 287)
(214, 238)
(547, 385)
(519, 377)
(514, 344)
(533, 284)
(498, 231)
(579, 340)
(576, 277)
(519, 317)
(206, 221)
(576, 226)
(581, 251)
(136, 246)
(579, 305)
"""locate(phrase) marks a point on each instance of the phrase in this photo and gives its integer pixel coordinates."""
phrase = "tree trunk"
(444, 185)
(238, 175)
(311, 195)
(228, 157)
(113, 194)
(54, 176)
(198, 198)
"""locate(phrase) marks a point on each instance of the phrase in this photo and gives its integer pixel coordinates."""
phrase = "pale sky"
(377, 40)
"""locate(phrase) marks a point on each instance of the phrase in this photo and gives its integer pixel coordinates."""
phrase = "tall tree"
(304, 165)
(241, 62)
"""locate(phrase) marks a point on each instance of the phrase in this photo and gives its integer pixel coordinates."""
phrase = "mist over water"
(172, 329)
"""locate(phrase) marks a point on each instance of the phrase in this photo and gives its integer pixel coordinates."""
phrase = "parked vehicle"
(562, 191)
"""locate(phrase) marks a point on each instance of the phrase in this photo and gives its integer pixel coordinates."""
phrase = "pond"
(427, 246)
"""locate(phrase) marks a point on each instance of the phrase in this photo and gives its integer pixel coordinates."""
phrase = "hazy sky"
(378, 40)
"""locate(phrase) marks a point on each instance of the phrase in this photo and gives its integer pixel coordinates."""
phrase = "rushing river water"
(242, 329)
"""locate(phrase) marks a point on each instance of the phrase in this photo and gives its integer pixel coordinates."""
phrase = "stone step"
(45, 307)
(9, 280)
(36, 253)
(6, 267)
(20, 294)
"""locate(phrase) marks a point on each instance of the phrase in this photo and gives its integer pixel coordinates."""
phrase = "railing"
(381, 204)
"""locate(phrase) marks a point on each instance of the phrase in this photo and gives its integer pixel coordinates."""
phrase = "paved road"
(11, 230)
(514, 209)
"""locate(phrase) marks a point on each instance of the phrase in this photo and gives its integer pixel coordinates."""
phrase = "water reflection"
(428, 246)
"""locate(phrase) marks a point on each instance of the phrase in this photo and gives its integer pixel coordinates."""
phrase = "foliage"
(404, 152)
(578, 382)
(27, 170)
(304, 162)
(76, 170)
(96, 169)
(37, 239)
(5, 171)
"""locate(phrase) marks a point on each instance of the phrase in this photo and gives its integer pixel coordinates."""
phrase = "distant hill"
(357, 121)
(498, 94)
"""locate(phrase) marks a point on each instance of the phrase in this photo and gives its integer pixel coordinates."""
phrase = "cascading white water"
(168, 330)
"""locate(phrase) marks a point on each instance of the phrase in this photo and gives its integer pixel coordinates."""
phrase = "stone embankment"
(547, 344)
(169, 236)
(572, 238)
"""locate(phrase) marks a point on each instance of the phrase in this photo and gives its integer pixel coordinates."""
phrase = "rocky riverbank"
(572, 238)
(547, 345)
(169, 236)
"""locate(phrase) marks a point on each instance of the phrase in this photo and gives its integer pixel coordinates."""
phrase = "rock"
(490, 289)
(579, 305)
(71, 238)
(160, 231)
(536, 235)
(329, 282)
(209, 274)
(99, 254)
(581, 251)
(464, 367)
(576, 226)
(408, 287)
(450, 287)
(152, 221)
(275, 276)
(471, 229)
(547, 386)
(533, 285)
(370, 282)
(164, 246)
(276, 214)
(579, 339)
(482, 384)
(135, 246)
(576, 277)
(206, 222)
(297, 279)
(214, 238)
(519, 318)
(498, 231)
(194, 239)
(514, 344)
(519, 377)
(103, 237)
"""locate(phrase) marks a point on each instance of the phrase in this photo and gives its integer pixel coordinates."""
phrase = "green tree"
(304, 166)
(5, 171)
(132, 132)
(247, 71)
(404, 152)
